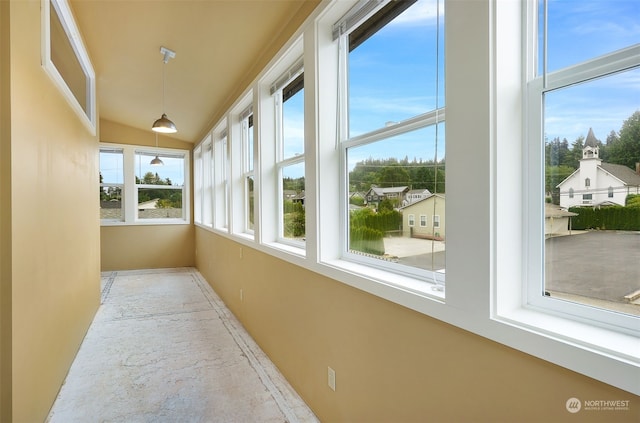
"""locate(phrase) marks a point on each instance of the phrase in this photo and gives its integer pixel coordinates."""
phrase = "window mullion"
(130, 201)
(604, 65)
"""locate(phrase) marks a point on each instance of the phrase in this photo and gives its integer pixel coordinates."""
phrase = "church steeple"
(591, 149)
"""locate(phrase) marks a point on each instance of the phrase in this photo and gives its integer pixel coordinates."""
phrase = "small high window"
(66, 61)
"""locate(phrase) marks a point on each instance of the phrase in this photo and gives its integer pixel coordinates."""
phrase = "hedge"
(366, 240)
(387, 220)
(609, 218)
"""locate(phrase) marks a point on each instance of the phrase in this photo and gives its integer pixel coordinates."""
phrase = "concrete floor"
(164, 348)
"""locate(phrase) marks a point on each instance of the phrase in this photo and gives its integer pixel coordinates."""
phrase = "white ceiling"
(220, 46)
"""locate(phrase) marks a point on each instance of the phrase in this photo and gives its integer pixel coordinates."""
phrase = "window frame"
(130, 190)
(62, 9)
(601, 353)
(349, 23)
(121, 186)
(536, 87)
(198, 184)
(248, 170)
(221, 177)
(278, 92)
(203, 202)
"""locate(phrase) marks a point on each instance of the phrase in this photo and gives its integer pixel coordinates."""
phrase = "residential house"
(415, 195)
(375, 195)
(299, 198)
(289, 194)
(425, 218)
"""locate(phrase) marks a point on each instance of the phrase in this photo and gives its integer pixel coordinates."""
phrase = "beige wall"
(5, 216)
(144, 246)
(392, 364)
(54, 275)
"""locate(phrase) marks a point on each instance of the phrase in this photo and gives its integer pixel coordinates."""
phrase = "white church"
(596, 183)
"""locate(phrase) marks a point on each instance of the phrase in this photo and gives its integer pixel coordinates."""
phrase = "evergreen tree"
(625, 150)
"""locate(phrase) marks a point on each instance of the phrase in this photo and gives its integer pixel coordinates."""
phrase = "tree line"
(167, 198)
(391, 172)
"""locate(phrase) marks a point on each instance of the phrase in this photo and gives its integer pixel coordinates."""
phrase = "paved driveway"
(415, 252)
(603, 265)
(596, 264)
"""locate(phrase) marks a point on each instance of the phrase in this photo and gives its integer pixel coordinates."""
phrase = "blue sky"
(397, 74)
(392, 78)
(111, 167)
(579, 30)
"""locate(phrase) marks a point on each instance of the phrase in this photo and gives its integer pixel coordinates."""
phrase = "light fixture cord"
(163, 79)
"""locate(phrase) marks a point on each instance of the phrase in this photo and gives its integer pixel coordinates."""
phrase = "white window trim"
(423, 222)
(283, 69)
(130, 190)
(203, 188)
(115, 185)
(483, 295)
(604, 354)
(281, 163)
(238, 208)
(432, 280)
(89, 117)
(198, 184)
(221, 177)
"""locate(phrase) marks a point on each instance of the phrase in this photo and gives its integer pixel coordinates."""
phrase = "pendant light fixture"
(164, 124)
(156, 160)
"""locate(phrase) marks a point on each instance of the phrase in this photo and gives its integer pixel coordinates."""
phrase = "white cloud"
(421, 12)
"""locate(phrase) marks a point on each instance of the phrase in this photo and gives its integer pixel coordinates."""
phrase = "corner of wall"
(5, 216)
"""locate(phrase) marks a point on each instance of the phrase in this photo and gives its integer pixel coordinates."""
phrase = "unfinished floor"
(164, 348)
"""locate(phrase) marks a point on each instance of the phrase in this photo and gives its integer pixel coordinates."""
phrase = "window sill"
(407, 291)
(606, 355)
(145, 223)
(286, 248)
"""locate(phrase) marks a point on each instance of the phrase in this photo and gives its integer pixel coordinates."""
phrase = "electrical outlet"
(241, 252)
(331, 379)
(241, 295)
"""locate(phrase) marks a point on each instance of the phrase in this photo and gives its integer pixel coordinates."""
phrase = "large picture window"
(146, 193)
(584, 118)
(392, 132)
